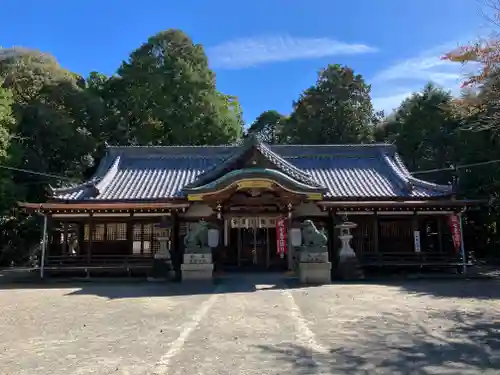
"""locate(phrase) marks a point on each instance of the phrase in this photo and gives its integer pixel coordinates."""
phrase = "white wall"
(308, 209)
(200, 210)
(304, 209)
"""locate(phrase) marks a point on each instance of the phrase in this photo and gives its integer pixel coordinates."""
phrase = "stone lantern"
(348, 265)
(163, 268)
(162, 264)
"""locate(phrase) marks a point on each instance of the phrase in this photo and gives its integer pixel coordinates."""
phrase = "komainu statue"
(314, 267)
(196, 240)
(311, 236)
(314, 242)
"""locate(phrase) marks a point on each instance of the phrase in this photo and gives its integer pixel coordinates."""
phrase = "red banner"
(454, 223)
(281, 236)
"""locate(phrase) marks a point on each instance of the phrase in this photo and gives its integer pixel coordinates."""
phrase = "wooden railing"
(412, 259)
(99, 261)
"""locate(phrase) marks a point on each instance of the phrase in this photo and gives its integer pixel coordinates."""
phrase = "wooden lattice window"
(98, 232)
(395, 235)
(363, 240)
(142, 238)
(137, 239)
(106, 232)
(116, 232)
(147, 237)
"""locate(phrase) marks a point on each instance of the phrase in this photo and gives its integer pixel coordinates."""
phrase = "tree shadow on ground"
(138, 288)
(469, 344)
(456, 288)
(244, 283)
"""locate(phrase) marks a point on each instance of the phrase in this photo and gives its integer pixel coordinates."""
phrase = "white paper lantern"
(213, 238)
(296, 236)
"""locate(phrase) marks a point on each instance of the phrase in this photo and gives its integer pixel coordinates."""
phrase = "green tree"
(165, 94)
(424, 129)
(337, 109)
(25, 72)
(55, 117)
(9, 192)
(268, 127)
(479, 139)
(7, 127)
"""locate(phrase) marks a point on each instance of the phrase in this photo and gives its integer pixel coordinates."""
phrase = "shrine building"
(254, 193)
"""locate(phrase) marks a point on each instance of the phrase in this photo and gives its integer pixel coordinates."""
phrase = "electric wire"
(451, 168)
(29, 171)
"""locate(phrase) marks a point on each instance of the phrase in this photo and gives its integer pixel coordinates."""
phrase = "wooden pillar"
(290, 250)
(175, 232)
(268, 250)
(50, 236)
(130, 234)
(81, 238)
(44, 246)
(375, 234)
(176, 254)
(415, 227)
(91, 231)
(105, 233)
(239, 247)
(462, 245)
(440, 232)
(64, 249)
(227, 233)
(331, 235)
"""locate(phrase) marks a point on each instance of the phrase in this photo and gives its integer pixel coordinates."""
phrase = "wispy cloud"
(390, 102)
(395, 83)
(247, 52)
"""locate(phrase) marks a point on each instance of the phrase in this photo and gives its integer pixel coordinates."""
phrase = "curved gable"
(254, 178)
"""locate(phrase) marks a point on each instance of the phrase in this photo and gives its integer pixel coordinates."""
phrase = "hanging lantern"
(213, 238)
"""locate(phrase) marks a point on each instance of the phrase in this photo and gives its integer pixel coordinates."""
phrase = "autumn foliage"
(485, 53)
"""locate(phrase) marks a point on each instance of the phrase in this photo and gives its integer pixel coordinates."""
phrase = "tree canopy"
(268, 127)
(423, 128)
(165, 94)
(7, 124)
(337, 109)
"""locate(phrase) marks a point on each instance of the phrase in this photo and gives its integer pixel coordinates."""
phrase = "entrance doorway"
(252, 246)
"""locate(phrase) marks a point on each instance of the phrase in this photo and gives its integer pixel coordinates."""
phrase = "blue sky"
(265, 52)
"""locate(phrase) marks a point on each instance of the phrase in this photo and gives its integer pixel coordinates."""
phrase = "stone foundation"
(162, 269)
(197, 258)
(200, 271)
(197, 267)
(348, 266)
(162, 262)
(315, 273)
(349, 269)
(307, 257)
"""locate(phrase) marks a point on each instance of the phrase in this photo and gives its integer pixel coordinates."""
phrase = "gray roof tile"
(348, 171)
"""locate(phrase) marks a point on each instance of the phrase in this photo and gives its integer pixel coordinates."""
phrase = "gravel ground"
(251, 325)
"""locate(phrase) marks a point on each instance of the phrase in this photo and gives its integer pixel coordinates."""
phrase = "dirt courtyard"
(251, 325)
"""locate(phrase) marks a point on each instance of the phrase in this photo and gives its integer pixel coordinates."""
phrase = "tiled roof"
(347, 171)
(279, 163)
